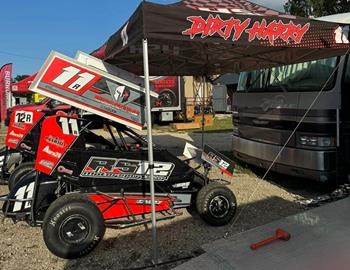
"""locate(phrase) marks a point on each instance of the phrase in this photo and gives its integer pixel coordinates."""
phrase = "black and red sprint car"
(21, 143)
(84, 183)
(22, 140)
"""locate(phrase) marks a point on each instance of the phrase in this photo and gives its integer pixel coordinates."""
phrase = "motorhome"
(269, 104)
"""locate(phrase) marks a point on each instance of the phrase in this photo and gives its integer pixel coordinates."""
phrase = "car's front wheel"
(73, 226)
(216, 204)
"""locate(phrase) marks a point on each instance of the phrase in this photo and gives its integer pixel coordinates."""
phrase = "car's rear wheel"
(73, 226)
(20, 171)
(216, 204)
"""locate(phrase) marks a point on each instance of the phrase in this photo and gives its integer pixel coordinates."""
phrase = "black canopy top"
(205, 37)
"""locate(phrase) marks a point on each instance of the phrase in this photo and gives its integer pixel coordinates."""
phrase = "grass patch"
(240, 167)
(219, 125)
(222, 124)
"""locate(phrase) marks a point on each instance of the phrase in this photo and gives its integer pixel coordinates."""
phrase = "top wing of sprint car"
(94, 86)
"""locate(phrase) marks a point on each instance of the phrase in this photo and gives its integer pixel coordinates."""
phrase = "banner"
(5, 89)
(169, 90)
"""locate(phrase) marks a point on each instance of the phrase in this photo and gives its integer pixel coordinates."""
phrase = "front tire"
(216, 204)
(73, 226)
(20, 171)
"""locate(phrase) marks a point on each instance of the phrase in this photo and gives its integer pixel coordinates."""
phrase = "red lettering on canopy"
(234, 28)
(274, 30)
(215, 25)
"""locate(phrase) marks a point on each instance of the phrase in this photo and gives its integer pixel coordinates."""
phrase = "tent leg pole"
(150, 150)
(203, 107)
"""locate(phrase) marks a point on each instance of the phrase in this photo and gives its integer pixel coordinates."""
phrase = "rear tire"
(216, 204)
(20, 171)
(73, 226)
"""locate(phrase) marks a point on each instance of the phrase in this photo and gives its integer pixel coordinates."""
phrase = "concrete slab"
(320, 239)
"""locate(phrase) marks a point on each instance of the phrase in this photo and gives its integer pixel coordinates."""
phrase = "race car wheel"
(19, 172)
(73, 226)
(216, 204)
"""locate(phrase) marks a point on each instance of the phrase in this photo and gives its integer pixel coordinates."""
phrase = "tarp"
(5, 89)
(23, 85)
(196, 37)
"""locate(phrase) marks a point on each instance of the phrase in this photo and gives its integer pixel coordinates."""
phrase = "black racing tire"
(73, 226)
(216, 204)
(20, 171)
(192, 210)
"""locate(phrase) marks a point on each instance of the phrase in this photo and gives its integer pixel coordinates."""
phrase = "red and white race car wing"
(118, 98)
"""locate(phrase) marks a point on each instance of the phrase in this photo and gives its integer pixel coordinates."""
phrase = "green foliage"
(19, 78)
(297, 7)
(316, 8)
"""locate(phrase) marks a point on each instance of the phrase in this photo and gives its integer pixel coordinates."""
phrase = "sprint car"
(83, 183)
(22, 139)
(21, 143)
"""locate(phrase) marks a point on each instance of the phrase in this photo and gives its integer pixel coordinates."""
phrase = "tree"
(298, 7)
(316, 8)
(20, 78)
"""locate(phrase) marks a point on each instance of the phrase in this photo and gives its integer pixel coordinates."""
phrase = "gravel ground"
(22, 247)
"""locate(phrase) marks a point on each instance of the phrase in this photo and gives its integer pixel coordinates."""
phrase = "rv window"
(308, 76)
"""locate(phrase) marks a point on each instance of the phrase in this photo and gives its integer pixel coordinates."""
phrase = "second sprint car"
(83, 183)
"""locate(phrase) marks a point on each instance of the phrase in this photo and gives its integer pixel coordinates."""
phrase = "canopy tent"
(23, 85)
(196, 37)
(209, 37)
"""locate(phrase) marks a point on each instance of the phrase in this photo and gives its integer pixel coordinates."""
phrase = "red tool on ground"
(280, 235)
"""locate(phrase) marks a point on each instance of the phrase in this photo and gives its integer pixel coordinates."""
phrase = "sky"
(31, 29)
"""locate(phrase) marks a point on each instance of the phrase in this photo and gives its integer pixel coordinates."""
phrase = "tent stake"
(150, 149)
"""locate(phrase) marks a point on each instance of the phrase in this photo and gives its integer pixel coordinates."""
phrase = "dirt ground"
(22, 247)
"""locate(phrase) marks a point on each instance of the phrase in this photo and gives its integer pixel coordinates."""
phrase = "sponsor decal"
(125, 169)
(63, 169)
(147, 202)
(118, 105)
(55, 141)
(234, 28)
(182, 185)
(25, 146)
(18, 125)
(15, 141)
(14, 134)
(217, 160)
(46, 163)
(54, 154)
(122, 93)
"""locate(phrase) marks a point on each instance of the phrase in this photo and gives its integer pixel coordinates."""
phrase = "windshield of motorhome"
(308, 76)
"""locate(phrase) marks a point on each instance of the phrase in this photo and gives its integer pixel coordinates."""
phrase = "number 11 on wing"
(69, 73)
